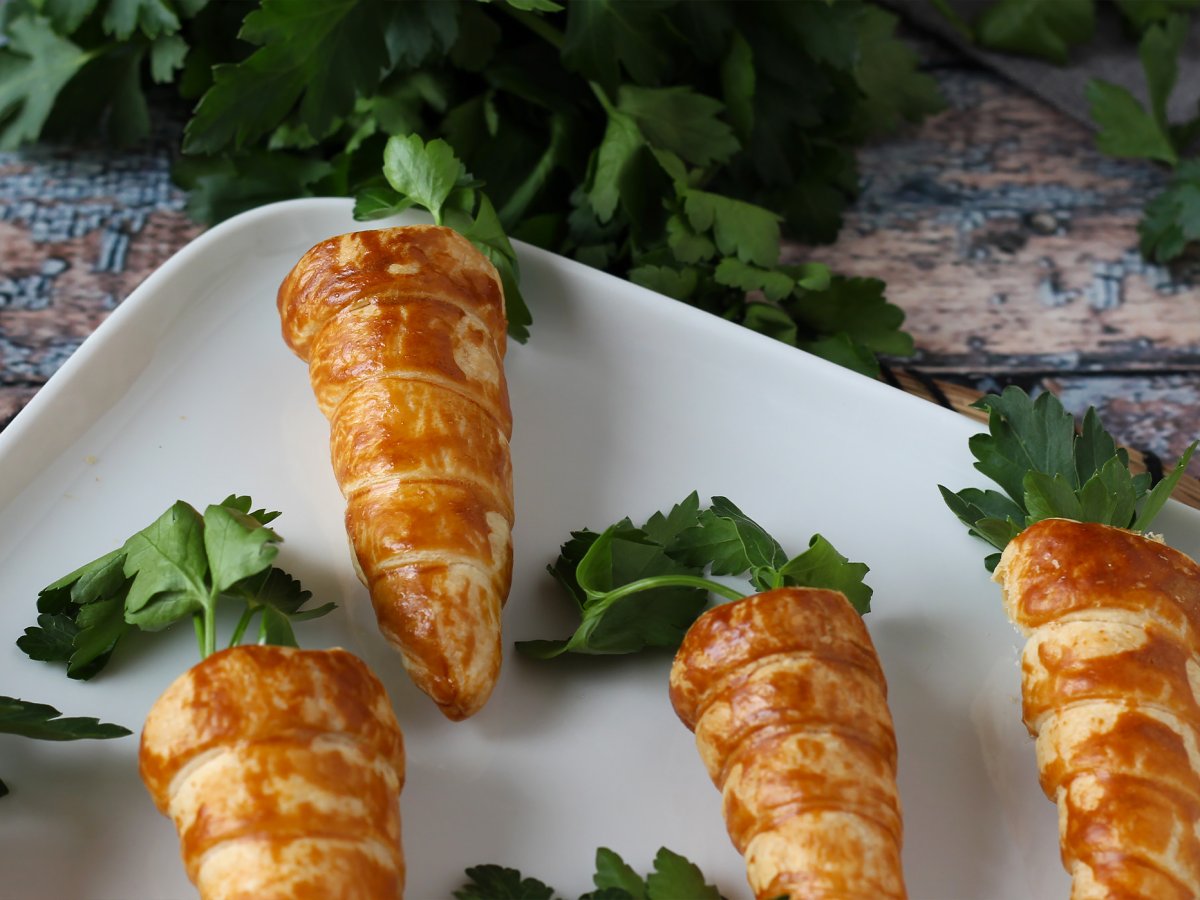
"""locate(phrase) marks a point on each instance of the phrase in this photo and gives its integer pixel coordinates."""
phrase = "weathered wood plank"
(1011, 243)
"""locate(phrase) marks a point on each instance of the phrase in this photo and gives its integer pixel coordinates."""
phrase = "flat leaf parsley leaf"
(1047, 470)
(675, 876)
(301, 45)
(1037, 28)
(1126, 128)
(45, 723)
(35, 65)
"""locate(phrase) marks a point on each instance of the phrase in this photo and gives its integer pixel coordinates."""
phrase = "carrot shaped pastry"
(783, 688)
(789, 705)
(281, 769)
(1109, 677)
(1110, 671)
(404, 333)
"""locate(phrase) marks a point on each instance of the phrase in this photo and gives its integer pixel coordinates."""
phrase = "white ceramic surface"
(624, 401)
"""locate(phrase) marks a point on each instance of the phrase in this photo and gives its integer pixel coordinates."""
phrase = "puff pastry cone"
(404, 332)
(282, 770)
(1110, 677)
(788, 702)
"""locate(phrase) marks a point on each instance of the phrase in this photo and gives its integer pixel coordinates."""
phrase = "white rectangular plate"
(624, 402)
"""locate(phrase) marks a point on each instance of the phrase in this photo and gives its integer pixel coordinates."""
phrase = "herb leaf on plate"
(45, 723)
(1047, 470)
(729, 542)
(635, 588)
(614, 874)
(591, 565)
(490, 882)
(81, 617)
(674, 878)
(180, 566)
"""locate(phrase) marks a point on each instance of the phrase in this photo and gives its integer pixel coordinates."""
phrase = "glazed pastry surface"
(789, 705)
(1110, 677)
(282, 770)
(404, 333)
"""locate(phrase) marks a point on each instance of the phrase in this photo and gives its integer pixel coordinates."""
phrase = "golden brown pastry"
(282, 770)
(404, 333)
(789, 705)
(1109, 677)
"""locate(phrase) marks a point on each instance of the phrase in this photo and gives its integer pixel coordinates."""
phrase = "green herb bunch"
(637, 588)
(1126, 128)
(1047, 469)
(673, 143)
(181, 566)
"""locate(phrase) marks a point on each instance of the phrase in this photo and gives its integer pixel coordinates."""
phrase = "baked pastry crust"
(1110, 677)
(404, 333)
(789, 705)
(282, 770)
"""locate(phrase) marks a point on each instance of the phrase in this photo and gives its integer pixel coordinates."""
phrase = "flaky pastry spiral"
(1110, 677)
(404, 333)
(789, 705)
(282, 770)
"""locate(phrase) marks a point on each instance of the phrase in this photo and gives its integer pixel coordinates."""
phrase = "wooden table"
(1007, 238)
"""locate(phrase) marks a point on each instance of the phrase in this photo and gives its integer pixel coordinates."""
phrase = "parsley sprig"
(430, 176)
(1046, 469)
(636, 588)
(181, 566)
(674, 877)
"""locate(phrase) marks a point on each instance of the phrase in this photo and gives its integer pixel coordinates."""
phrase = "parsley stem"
(210, 626)
(598, 91)
(243, 623)
(661, 581)
(198, 625)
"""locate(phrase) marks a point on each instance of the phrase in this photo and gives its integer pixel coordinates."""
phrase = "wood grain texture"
(1011, 244)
